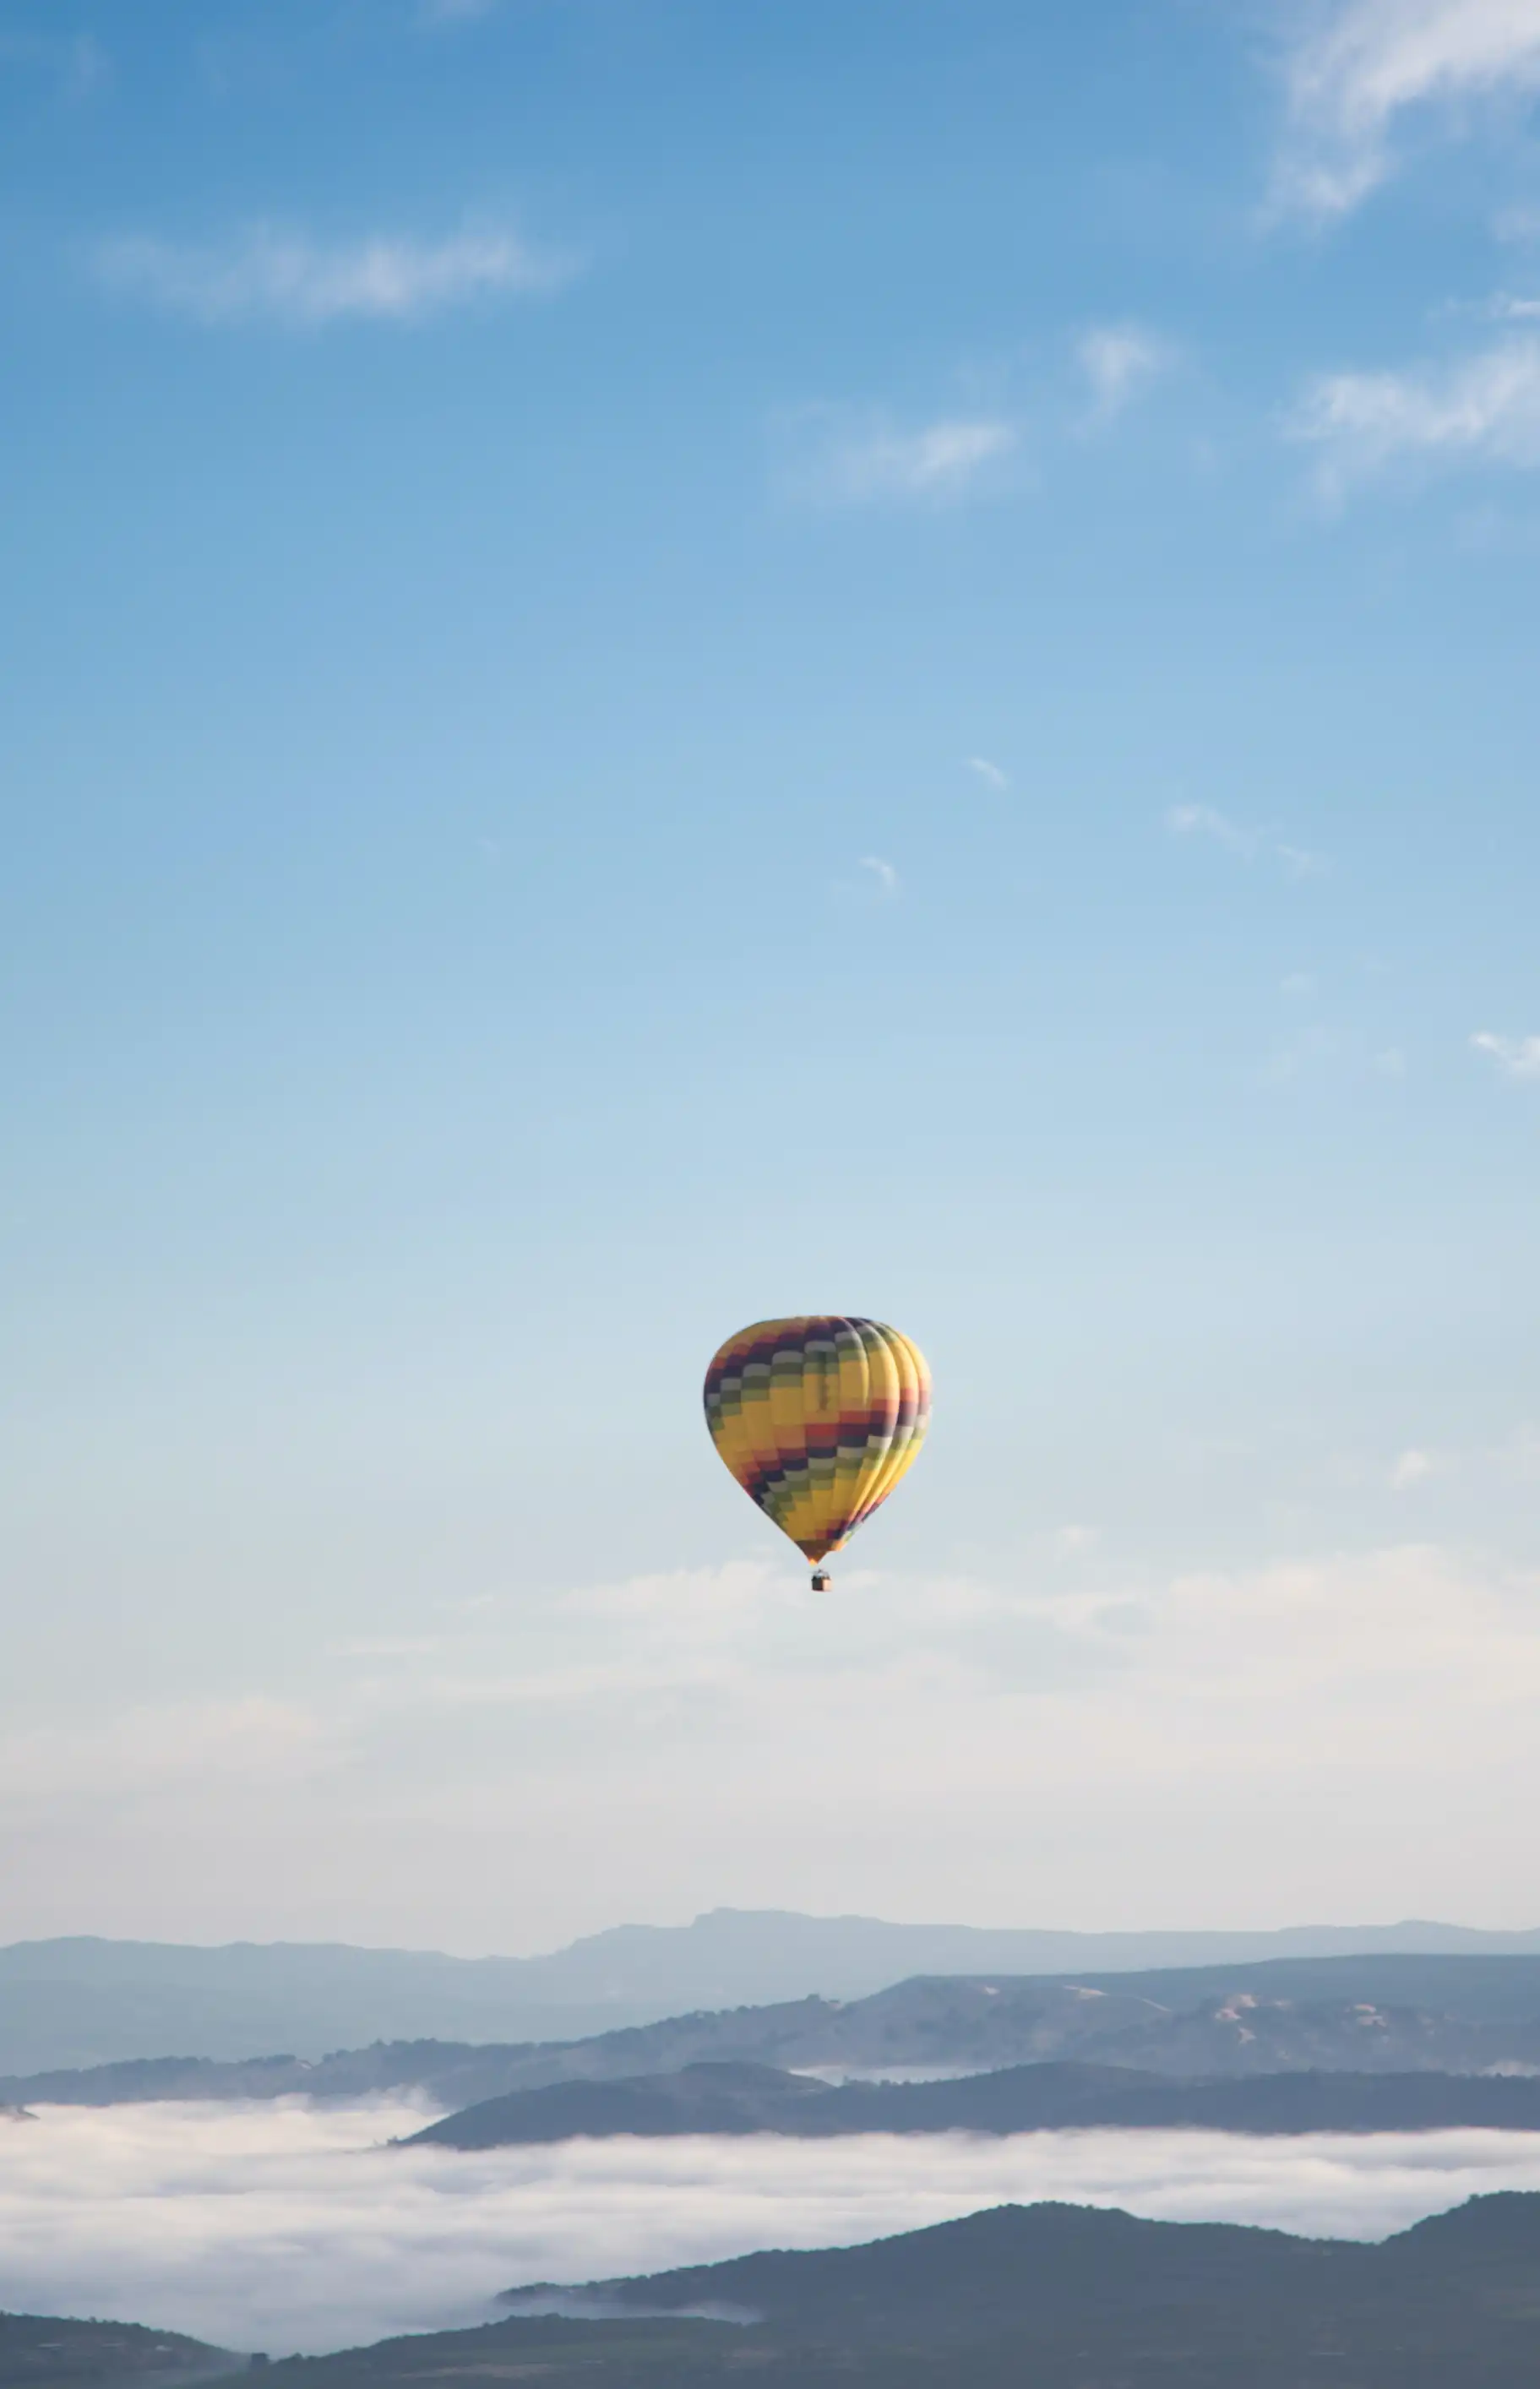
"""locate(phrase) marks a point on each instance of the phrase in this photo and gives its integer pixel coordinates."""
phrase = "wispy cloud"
(255, 1740)
(1479, 410)
(1119, 361)
(1203, 821)
(1299, 862)
(1410, 1469)
(77, 62)
(1342, 1054)
(1250, 845)
(885, 875)
(875, 463)
(270, 275)
(1361, 66)
(990, 773)
(1517, 1057)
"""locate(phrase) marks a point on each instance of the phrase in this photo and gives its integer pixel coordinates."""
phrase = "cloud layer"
(1082, 1742)
(290, 2228)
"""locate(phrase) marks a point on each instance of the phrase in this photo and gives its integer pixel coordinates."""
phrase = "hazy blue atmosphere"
(665, 661)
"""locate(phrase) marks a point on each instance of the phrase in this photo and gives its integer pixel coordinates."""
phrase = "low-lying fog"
(288, 2228)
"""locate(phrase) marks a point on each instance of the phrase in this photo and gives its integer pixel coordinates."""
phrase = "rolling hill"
(1057, 2297)
(740, 2100)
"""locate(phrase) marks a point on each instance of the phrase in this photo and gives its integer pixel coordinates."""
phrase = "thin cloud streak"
(939, 465)
(990, 773)
(285, 2228)
(272, 276)
(1481, 410)
(1517, 1057)
(1205, 820)
(1359, 67)
(78, 62)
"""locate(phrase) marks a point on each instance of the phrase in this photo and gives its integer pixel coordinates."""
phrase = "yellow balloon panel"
(817, 1419)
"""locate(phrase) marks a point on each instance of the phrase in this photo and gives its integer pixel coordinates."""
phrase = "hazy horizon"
(1412, 1926)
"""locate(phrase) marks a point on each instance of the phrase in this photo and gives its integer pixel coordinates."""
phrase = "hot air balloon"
(817, 1419)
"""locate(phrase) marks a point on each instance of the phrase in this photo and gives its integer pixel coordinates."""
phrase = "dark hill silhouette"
(745, 2099)
(1051, 2296)
(1004, 2267)
(45, 2352)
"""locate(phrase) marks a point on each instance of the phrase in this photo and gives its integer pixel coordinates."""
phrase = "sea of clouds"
(290, 2228)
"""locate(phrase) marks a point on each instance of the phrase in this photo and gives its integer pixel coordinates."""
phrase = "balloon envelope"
(817, 1419)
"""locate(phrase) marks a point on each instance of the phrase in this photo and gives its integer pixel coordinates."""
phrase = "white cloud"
(1119, 361)
(276, 277)
(885, 877)
(1480, 410)
(939, 464)
(990, 773)
(1203, 821)
(1361, 66)
(1411, 1468)
(1517, 1057)
(146, 1749)
(283, 2226)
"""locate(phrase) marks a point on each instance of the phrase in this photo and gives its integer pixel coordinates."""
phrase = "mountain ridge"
(84, 1999)
(1392, 2013)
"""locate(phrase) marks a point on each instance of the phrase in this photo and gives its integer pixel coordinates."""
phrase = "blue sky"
(668, 662)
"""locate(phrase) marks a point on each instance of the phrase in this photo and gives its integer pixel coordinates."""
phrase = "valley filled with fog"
(289, 2227)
